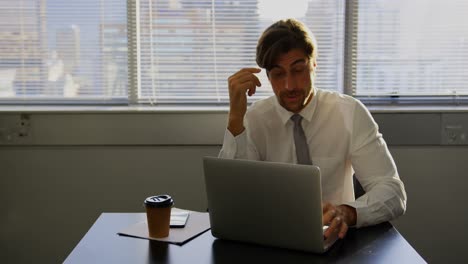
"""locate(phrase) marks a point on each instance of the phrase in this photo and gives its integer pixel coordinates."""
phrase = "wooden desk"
(376, 244)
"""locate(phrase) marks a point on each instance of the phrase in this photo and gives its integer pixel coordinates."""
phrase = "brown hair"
(280, 38)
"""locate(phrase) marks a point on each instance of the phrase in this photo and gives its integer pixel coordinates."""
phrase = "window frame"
(133, 64)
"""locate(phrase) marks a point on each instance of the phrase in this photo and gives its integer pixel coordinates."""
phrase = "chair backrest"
(358, 190)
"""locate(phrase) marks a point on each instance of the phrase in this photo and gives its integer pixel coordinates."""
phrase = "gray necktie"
(302, 149)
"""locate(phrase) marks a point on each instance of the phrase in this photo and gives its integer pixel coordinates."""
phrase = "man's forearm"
(235, 125)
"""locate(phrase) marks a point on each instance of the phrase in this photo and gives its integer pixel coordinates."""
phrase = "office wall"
(69, 168)
(52, 195)
(435, 181)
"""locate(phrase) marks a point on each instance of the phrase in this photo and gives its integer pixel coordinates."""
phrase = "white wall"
(71, 167)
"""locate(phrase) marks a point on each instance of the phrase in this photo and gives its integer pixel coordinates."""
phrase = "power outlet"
(15, 129)
(454, 129)
(24, 126)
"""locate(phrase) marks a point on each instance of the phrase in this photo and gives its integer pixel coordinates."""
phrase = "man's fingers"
(245, 71)
(255, 70)
(326, 207)
(335, 226)
(252, 70)
(328, 212)
(255, 80)
(335, 218)
(328, 217)
(244, 75)
(252, 89)
(247, 86)
(343, 230)
(244, 81)
(248, 77)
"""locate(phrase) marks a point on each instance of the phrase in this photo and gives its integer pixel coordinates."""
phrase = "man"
(306, 125)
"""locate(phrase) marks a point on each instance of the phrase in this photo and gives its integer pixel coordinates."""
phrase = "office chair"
(358, 190)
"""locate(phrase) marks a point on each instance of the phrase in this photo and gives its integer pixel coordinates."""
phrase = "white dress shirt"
(343, 138)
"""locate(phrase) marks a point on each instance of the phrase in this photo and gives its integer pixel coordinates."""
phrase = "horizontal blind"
(188, 49)
(63, 51)
(411, 48)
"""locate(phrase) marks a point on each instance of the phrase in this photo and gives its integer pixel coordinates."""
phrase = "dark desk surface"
(376, 244)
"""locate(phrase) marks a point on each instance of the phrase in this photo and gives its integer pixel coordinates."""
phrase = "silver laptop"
(267, 203)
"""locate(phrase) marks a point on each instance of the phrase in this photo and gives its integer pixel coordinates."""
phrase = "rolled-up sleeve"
(385, 197)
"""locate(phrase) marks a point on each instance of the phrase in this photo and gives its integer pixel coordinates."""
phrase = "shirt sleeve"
(385, 197)
(238, 147)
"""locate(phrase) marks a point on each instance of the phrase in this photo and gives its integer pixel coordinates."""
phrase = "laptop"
(266, 203)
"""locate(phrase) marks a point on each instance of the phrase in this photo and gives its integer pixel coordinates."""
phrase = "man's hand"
(241, 83)
(338, 219)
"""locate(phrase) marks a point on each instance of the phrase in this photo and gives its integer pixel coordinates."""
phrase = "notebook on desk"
(273, 204)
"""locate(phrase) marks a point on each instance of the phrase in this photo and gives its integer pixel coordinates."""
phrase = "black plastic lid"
(159, 201)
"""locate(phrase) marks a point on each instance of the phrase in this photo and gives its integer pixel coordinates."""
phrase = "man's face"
(291, 80)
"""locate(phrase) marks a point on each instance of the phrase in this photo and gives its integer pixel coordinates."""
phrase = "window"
(188, 49)
(410, 49)
(63, 51)
(182, 51)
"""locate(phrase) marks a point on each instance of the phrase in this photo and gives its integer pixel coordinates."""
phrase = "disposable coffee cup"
(158, 214)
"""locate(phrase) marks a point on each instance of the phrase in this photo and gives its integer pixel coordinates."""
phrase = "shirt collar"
(306, 113)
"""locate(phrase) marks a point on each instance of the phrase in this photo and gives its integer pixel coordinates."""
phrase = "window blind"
(186, 50)
(410, 48)
(63, 51)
